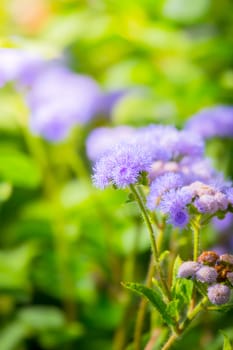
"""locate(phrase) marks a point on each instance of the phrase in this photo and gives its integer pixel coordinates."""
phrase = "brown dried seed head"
(208, 258)
(227, 259)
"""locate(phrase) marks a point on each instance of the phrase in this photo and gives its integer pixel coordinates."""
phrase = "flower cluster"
(212, 122)
(213, 270)
(164, 146)
(168, 194)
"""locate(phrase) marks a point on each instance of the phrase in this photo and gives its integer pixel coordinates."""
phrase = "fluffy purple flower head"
(122, 166)
(179, 217)
(161, 185)
(229, 194)
(102, 140)
(19, 65)
(219, 294)
(188, 269)
(175, 199)
(212, 122)
(167, 143)
(174, 204)
(188, 144)
(207, 274)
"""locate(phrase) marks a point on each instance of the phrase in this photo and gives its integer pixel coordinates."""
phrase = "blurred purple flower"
(212, 122)
(223, 224)
(19, 65)
(102, 140)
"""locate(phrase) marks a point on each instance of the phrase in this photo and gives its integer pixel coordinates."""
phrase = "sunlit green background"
(61, 260)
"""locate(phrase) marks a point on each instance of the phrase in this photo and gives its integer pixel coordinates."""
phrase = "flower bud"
(188, 269)
(207, 274)
(208, 258)
(219, 294)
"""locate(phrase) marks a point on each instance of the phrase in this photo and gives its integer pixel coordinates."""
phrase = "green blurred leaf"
(40, 318)
(19, 169)
(5, 191)
(14, 266)
(12, 335)
(226, 344)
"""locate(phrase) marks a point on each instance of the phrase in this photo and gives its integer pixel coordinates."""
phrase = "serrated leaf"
(19, 169)
(226, 343)
(154, 296)
(183, 290)
(173, 309)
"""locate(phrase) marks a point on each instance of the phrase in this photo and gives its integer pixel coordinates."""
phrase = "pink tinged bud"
(219, 294)
(207, 274)
(188, 269)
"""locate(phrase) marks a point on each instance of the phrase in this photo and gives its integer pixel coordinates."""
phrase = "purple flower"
(179, 217)
(188, 269)
(219, 294)
(109, 100)
(175, 199)
(223, 224)
(212, 122)
(102, 140)
(167, 143)
(229, 194)
(52, 122)
(122, 166)
(207, 274)
(19, 65)
(161, 185)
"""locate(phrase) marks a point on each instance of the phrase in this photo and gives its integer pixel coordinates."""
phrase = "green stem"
(184, 326)
(196, 236)
(152, 239)
(142, 308)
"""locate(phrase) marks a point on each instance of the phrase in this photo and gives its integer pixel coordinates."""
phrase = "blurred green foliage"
(65, 248)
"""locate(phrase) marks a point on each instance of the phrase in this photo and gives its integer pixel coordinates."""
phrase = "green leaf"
(12, 335)
(19, 169)
(226, 343)
(154, 296)
(42, 317)
(164, 255)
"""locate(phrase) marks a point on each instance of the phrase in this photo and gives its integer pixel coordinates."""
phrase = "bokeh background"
(65, 247)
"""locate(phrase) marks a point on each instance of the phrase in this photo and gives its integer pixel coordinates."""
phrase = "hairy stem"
(184, 326)
(196, 236)
(152, 239)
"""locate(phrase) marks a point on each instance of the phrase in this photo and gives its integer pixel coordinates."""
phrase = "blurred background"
(65, 247)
